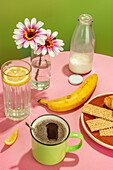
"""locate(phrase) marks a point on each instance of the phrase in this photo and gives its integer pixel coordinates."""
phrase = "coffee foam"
(41, 135)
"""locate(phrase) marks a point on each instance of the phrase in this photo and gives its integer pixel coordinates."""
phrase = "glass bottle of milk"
(82, 46)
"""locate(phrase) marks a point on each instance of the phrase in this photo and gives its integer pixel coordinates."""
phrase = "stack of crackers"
(103, 121)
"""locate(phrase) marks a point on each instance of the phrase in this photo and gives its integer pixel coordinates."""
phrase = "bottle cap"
(75, 79)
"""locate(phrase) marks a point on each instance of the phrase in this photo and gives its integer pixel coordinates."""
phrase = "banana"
(74, 99)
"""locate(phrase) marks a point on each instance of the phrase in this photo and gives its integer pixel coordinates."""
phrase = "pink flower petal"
(19, 46)
(51, 53)
(56, 50)
(26, 44)
(48, 33)
(33, 22)
(20, 25)
(18, 31)
(39, 40)
(39, 50)
(39, 24)
(58, 40)
(60, 48)
(54, 35)
(16, 36)
(20, 41)
(27, 23)
(44, 51)
(58, 43)
(32, 44)
(43, 37)
(35, 46)
(42, 31)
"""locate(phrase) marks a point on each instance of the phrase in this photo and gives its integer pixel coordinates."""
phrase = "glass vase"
(41, 71)
(82, 46)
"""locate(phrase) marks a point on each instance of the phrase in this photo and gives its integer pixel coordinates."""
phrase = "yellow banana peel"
(75, 99)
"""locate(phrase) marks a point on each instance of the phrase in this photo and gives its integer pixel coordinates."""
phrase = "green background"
(57, 15)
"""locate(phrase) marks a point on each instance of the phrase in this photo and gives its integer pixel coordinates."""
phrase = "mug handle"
(78, 146)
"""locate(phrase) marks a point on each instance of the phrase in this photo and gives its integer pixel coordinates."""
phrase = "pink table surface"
(91, 156)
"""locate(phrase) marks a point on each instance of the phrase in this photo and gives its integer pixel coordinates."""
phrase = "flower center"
(30, 33)
(48, 42)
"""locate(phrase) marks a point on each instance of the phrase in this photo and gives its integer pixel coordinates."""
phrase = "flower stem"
(37, 72)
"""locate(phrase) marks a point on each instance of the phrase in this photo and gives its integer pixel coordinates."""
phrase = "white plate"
(102, 140)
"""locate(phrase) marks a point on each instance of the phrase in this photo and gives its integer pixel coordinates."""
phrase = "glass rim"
(46, 143)
(85, 18)
(29, 70)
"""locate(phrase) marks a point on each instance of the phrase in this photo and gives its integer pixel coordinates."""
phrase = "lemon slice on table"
(16, 76)
(12, 138)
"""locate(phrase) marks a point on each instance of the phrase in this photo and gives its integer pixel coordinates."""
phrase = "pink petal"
(58, 40)
(56, 50)
(33, 22)
(48, 33)
(16, 36)
(54, 35)
(39, 50)
(35, 46)
(20, 41)
(27, 22)
(39, 24)
(17, 31)
(26, 44)
(20, 25)
(32, 44)
(39, 40)
(43, 37)
(42, 31)
(60, 48)
(19, 46)
(51, 53)
(44, 51)
(58, 43)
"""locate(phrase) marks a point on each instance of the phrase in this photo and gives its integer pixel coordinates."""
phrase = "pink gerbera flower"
(29, 34)
(52, 45)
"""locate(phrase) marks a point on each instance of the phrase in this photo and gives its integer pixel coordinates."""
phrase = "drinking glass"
(16, 79)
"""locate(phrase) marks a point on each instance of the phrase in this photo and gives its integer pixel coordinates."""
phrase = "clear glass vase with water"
(41, 71)
(82, 46)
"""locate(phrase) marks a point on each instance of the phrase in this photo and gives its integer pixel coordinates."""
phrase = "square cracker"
(98, 111)
(98, 124)
(106, 132)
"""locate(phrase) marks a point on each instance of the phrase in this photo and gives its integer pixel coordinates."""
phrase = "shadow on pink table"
(29, 163)
(5, 123)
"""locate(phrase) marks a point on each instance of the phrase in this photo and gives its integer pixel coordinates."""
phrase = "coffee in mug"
(50, 131)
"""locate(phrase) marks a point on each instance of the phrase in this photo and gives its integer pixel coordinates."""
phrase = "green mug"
(50, 154)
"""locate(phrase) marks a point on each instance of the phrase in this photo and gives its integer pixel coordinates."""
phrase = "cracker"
(98, 124)
(106, 132)
(98, 111)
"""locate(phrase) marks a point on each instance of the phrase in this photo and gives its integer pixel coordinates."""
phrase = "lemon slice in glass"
(16, 76)
(12, 138)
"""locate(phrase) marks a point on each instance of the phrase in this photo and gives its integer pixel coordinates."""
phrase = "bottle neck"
(85, 19)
